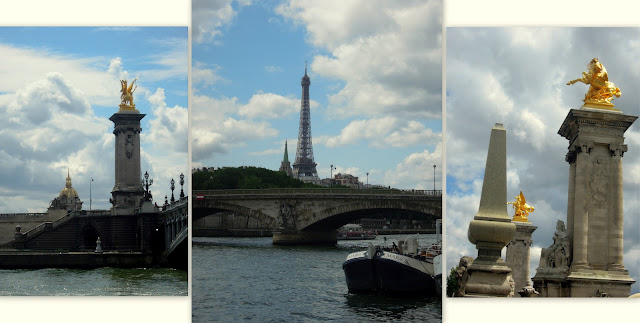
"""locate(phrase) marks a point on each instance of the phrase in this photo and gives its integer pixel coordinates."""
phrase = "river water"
(101, 282)
(249, 279)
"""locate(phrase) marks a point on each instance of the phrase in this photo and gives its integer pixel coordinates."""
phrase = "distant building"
(202, 169)
(346, 180)
(285, 165)
(68, 199)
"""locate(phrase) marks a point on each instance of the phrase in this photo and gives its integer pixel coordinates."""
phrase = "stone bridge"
(149, 236)
(175, 221)
(311, 216)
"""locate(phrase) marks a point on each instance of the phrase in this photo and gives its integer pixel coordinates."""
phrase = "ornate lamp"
(181, 184)
(173, 186)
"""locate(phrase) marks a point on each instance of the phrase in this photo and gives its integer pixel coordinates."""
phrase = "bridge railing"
(318, 191)
(22, 214)
(176, 204)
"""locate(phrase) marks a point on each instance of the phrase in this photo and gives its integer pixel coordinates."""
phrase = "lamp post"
(367, 179)
(331, 175)
(90, 193)
(434, 179)
(146, 182)
(173, 186)
(181, 185)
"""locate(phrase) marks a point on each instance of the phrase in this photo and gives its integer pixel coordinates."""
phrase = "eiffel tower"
(304, 168)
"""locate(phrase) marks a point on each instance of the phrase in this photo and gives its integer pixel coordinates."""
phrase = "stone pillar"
(571, 159)
(580, 213)
(616, 221)
(288, 233)
(519, 254)
(595, 204)
(491, 228)
(127, 191)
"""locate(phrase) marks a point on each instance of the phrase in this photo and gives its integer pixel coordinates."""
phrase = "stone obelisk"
(491, 228)
(127, 191)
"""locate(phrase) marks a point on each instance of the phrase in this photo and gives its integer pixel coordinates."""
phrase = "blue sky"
(60, 85)
(371, 110)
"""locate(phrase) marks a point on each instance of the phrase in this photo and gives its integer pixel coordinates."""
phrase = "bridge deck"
(317, 192)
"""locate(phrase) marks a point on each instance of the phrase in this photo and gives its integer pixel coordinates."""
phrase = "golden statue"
(522, 208)
(601, 91)
(127, 95)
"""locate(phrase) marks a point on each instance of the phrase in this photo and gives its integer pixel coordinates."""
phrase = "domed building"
(68, 198)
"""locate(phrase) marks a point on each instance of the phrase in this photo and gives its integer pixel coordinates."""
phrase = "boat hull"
(359, 273)
(402, 274)
(389, 273)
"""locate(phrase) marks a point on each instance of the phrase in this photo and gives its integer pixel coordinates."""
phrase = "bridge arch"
(211, 207)
(335, 217)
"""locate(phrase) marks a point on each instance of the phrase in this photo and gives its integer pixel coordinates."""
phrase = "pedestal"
(491, 228)
(595, 202)
(518, 254)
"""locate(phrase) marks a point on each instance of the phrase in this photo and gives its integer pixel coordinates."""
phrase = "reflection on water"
(250, 279)
(98, 282)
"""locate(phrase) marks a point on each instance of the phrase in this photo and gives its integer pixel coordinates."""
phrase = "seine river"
(99, 282)
(249, 279)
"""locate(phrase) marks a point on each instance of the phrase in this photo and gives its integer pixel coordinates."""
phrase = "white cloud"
(170, 64)
(273, 69)
(169, 126)
(269, 106)
(209, 16)
(201, 75)
(401, 74)
(214, 132)
(382, 132)
(47, 127)
(416, 171)
(39, 100)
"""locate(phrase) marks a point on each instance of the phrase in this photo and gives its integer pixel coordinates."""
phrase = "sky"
(376, 86)
(60, 85)
(518, 76)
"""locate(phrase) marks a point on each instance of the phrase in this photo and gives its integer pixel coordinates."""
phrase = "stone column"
(580, 213)
(596, 147)
(519, 254)
(491, 228)
(571, 159)
(127, 191)
(616, 221)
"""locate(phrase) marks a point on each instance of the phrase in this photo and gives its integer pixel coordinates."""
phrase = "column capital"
(617, 149)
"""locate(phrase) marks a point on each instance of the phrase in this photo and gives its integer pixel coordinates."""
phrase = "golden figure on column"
(522, 208)
(601, 91)
(127, 95)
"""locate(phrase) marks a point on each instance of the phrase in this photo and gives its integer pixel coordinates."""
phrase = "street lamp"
(181, 184)
(146, 182)
(173, 186)
(331, 175)
(90, 194)
(367, 179)
(434, 178)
